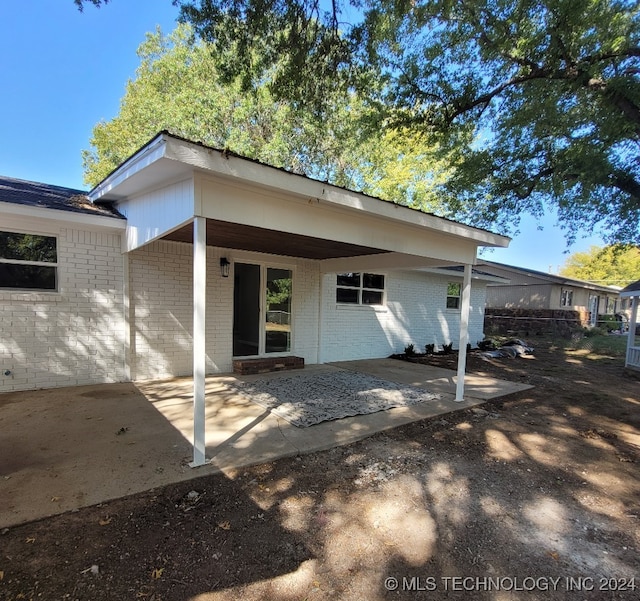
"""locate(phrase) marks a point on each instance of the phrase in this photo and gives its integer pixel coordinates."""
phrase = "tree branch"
(625, 182)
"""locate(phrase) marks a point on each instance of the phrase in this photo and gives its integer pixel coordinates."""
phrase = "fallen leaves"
(157, 573)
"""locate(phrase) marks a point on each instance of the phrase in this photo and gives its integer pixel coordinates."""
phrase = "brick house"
(532, 290)
(186, 258)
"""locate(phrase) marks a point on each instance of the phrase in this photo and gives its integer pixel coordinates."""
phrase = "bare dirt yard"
(535, 496)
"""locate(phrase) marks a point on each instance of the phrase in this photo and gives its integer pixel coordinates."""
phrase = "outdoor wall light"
(224, 267)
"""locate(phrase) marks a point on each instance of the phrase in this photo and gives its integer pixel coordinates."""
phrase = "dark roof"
(550, 277)
(460, 269)
(35, 194)
(634, 287)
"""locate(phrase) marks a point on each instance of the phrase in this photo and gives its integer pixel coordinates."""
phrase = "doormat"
(306, 400)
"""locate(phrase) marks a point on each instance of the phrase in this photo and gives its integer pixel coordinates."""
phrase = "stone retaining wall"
(533, 321)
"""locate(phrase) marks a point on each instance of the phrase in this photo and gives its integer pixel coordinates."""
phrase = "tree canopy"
(177, 87)
(609, 266)
(540, 99)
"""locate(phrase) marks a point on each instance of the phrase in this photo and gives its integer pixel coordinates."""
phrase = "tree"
(177, 87)
(540, 98)
(549, 87)
(608, 266)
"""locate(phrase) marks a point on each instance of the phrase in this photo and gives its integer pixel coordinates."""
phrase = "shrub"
(447, 349)
(609, 322)
(591, 332)
(409, 350)
(429, 349)
(487, 345)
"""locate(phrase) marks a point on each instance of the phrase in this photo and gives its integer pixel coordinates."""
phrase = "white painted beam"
(464, 331)
(326, 221)
(199, 338)
(391, 260)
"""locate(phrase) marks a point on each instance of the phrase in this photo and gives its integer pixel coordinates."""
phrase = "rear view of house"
(187, 260)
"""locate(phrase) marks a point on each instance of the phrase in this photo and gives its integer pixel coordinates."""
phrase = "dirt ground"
(534, 496)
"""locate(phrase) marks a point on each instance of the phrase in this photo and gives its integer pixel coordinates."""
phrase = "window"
(360, 288)
(566, 298)
(453, 295)
(28, 261)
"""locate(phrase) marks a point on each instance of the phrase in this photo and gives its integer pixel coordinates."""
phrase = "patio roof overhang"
(175, 189)
(169, 182)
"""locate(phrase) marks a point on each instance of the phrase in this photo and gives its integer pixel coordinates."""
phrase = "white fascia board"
(260, 175)
(149, 154)
(23, 215)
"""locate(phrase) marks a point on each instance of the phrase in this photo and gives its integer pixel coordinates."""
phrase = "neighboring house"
(632, 294)
(530, 289)
(186, 257)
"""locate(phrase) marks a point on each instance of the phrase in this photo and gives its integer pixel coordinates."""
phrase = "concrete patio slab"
(62, 449)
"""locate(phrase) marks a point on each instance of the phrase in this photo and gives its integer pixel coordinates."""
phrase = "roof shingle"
(35, 194)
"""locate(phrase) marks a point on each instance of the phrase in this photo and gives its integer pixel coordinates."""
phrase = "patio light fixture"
(224, 267)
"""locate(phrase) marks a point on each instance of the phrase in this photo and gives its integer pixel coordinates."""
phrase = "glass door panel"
(278, 311)
(246, 310)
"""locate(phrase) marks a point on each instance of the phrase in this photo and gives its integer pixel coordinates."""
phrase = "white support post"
(126, 311)
(320, 313)
(199, 338)
(464, 331)
(633, 320)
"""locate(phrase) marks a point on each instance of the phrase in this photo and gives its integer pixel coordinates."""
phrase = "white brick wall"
(414, 313)
(77, 335)
(161, 288)
(162, 314)
(73, 336)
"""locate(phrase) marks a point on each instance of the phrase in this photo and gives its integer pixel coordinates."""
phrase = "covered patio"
(175, 190)
(85, 448)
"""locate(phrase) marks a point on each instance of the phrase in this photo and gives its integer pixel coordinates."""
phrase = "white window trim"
(56, 265)
(566, 294)
(448, 296)
(362, 288)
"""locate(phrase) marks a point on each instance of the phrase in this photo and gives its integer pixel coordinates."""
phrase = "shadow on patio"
(67, 448)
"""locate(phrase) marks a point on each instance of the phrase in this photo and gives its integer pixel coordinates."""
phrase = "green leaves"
(616, 265)
(178, 87)
(549, 87)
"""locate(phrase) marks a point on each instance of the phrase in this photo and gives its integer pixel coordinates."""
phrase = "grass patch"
(600, 346)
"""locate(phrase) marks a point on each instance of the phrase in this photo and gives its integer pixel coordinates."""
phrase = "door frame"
(265, 264)
(594, 309)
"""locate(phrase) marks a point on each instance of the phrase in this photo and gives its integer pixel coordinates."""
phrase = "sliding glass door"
(261, 310)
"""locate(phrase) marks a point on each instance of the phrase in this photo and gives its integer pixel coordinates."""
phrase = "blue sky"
(63, 71)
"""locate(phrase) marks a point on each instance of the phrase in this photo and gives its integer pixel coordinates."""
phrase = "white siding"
(76, 335)
(153, 214)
